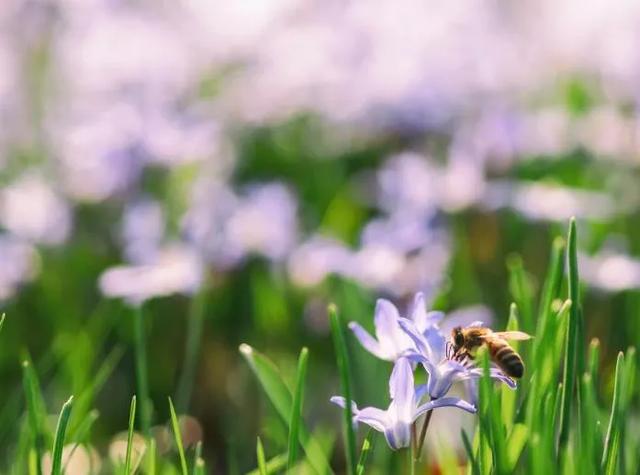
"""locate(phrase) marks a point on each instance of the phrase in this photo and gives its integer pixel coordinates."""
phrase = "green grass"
(59, 441)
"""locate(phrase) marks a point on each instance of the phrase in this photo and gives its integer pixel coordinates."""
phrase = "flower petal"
(402, 391)
(342, 402)
(412, 332)
(373, 417)
(366, 340)
(446, 402)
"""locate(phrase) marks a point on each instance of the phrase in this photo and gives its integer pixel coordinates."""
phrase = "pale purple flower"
(177, 269)
(395, 422)
(391, 341)
(431, 351)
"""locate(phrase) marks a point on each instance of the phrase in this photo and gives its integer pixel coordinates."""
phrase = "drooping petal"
(402, 390)
(342, 402)
(494, 373)
(366, 340)
(373, 417)
(445, 402)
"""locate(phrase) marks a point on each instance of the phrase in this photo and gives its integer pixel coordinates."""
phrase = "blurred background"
(251, 161)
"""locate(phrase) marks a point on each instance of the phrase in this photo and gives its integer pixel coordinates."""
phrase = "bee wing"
(513, 335)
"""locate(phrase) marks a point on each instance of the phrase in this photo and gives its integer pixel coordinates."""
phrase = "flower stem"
(423, 432)
(141, 370)
(192, 349)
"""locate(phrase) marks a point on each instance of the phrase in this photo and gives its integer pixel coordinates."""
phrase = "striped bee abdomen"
(506, 358)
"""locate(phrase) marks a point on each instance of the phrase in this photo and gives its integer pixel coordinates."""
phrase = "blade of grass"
(197, 456)
(262, 464)
(82, 434)
(132, 418)
(200, 468)
(280, 396)
(35, 409)
(296, 408)
(58, 443)
(342, 358)
(192, 347)
(611, 452)
(178, 438)
(275, 465)
(515, 444)
(490, 418)
(150, 457)
(521, 290)
(473, 463)
(142, 370)
(550, 292)
(571, 341)
(508, 396)
(367, 448)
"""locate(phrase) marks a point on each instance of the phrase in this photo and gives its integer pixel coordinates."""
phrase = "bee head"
(457, 337)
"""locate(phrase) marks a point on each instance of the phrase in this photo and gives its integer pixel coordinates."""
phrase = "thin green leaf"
(473, 463)
(296, 408)
(280, 396)
(508, 396)
(132, 418)
(177, 436)
(2, 320)
(142, 370)
(367, 448)
(58, 443)
(276, 464)
(516, 442)
(594, 360)
(571, 341)
(200, 468)
(35, 409)
(612, 442)
(490, 419)
(521, 290)
(550, 292)
(262, 464)
(82, 433)
(345, 384)
(198, 456)
(589, 434)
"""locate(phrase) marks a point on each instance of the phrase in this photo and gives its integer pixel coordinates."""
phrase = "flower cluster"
(409, 342)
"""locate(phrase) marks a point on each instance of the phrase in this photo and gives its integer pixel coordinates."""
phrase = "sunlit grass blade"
(590, 435)
(516, 441)
(629, 375)
(594, 360)
(132, 418)
(367, 449)
(280, 396)
(473, 463)
(200, 468)
(142, 370)
(508, 396)
(58, 443)
(262, 463)
(521, 290)
(150, 457)
(2, 321)
(345, 385)
(296, 408)
(274, 465)
(550, 292)
(36, 412)
(572, 346)
(611, 451)
(490, 417)
(177, 436)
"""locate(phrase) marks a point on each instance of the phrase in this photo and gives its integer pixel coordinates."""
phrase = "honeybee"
(466, 340)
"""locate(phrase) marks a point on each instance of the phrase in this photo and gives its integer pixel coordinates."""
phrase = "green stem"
(192, 349)
(423, 432)
(141, 370)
